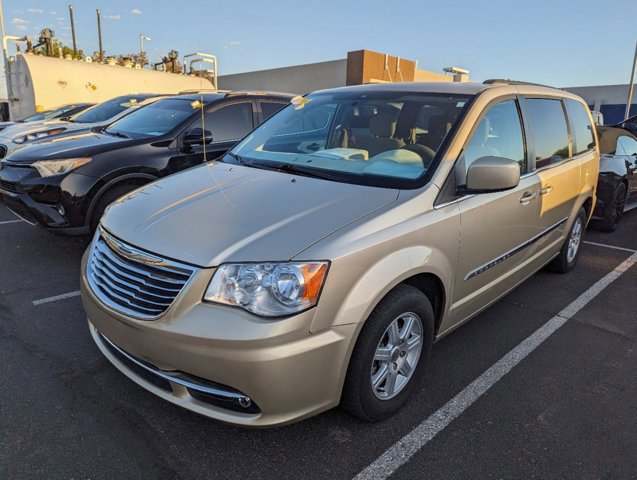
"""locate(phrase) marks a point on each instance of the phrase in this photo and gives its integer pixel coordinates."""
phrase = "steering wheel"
(426, 153)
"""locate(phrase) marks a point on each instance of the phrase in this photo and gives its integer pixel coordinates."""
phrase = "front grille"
(10, 187)
(132, 281)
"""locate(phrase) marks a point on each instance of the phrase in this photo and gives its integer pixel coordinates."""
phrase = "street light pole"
(142, 37)
(631, 86)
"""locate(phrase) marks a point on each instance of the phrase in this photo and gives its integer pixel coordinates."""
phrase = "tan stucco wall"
(298, 79)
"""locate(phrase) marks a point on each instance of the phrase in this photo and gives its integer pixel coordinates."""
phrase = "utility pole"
(631, 86)
(73, 31)
(99, 34)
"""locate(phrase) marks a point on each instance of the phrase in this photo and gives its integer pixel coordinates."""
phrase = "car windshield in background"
(37, 116)
(155, 119)
(50, 114)
(382, 139)
(106, 110)
(57, 112)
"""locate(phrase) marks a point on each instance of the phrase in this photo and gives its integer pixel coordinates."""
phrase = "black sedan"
(64, 184)
(617, 175)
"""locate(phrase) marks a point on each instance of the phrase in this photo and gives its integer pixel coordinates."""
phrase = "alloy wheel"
(396, 356)
(575, 240)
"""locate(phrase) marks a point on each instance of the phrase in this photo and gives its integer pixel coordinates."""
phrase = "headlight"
(38, 135)
(268, 289)
(49, 168)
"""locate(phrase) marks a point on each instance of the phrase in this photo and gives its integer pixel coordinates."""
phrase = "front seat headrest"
(383, 124)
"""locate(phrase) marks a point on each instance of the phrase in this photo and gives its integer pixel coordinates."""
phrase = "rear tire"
(569, 253)
(105, 200)
(390, 355)
(609, 224)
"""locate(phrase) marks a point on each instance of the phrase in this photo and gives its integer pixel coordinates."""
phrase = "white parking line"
(56, 298)
(400, 452)
(10, 221)
(610, 246)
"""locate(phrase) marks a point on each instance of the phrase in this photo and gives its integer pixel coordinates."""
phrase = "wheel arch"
(433, 288)
(138, 179)
(432, 277)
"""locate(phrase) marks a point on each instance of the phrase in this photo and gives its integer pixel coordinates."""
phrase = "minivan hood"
(220, 213)
(81, 144)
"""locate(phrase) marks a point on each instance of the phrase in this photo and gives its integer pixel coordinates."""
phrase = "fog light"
(61, 210)
(245, 402)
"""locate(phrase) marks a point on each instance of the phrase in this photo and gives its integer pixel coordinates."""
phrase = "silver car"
(102, 114)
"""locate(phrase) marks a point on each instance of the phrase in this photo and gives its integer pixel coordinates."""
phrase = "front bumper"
(54, 203)
(287, 373)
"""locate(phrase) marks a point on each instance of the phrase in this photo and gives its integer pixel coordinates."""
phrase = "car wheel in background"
(609, 224)
(105, 200)
(389, 358)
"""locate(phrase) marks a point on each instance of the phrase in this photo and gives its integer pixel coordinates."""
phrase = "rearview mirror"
(198, 136)
(492, 174)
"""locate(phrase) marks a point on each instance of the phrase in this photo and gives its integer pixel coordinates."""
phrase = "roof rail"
(200, 90)
(258, 92)
(504, 81)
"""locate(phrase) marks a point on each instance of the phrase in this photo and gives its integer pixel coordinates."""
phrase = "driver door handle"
(527, 197)
(546, 189)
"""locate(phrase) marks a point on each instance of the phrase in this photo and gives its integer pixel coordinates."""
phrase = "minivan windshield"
(155, 119)
(107, 110)
(386, 139)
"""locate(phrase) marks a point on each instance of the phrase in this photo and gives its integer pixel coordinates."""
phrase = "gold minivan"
(317, 262)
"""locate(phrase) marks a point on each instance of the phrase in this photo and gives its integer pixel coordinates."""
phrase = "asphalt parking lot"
(562, 405)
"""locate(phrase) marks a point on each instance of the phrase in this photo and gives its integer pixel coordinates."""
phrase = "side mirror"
(492, 174)
(198, 136)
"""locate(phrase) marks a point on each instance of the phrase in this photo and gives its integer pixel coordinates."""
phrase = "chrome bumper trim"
(177, 378)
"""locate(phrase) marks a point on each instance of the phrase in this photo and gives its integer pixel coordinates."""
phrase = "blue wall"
(615, 113)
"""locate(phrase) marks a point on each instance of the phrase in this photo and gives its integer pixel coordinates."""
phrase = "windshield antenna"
(203, 120)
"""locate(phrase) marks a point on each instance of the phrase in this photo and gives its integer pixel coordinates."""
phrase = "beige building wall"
(361, 66)
(427, 76)
(298, 79)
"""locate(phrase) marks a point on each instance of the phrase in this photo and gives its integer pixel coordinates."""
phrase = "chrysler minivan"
(316, 262)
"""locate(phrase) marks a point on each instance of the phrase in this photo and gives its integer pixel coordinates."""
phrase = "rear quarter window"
(581, 128)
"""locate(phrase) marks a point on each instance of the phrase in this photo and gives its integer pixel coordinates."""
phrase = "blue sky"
(558, 42)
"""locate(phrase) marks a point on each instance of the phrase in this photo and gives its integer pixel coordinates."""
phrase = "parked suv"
(65, 183)
(319, 259)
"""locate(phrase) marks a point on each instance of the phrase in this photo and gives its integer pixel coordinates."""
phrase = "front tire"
(105, 200)
(569, 253)
(390, 355)
(609, 224)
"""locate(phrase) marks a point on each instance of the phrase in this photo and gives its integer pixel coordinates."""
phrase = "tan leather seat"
(382, 128)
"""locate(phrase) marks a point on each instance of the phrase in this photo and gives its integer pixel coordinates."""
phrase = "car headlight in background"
(49, 168)
(36, 136)
(271, 289)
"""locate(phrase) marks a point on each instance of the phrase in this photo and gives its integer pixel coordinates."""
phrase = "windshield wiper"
(237, 158)
(116, 134)
(298, 169)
